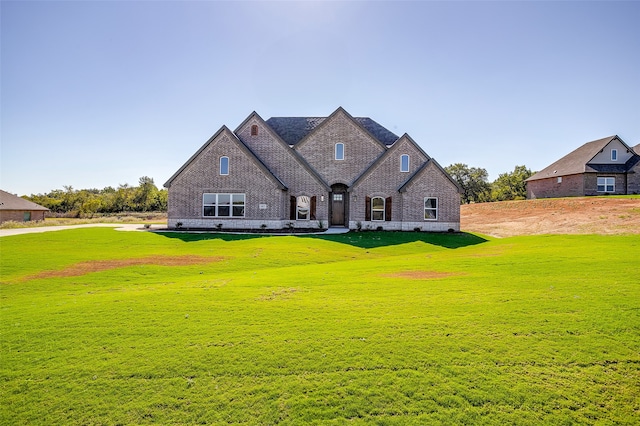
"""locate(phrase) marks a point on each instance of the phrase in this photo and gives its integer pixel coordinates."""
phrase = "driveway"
(117, 226)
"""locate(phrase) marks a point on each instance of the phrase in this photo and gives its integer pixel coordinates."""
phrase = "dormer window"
(224, 165)
(404, 163)
(339, 151)
(614, 155)
(254, 130)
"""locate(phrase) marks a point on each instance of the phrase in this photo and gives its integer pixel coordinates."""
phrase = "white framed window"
(404, 163)
(223, 205)
(614, 155)
(377, 208)
(606, 184)
(559, 179)
(224, 165)
(303, 207)
(430, 208)
(339, 151)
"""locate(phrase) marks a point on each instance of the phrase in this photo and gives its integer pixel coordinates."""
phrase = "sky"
(101, 93)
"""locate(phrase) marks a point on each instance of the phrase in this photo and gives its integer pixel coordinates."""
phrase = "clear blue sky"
(100, 93)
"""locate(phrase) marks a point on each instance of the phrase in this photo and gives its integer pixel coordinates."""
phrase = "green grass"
(382, 328)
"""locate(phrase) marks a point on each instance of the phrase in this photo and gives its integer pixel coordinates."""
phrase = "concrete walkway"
(38, 229)
(336, 231)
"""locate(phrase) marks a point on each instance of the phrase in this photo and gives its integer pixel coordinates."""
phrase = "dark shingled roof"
(573, 163)
(577, 162)
(13, 202)
(293, 129)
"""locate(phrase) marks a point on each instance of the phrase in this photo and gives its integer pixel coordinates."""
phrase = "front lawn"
(106, 327)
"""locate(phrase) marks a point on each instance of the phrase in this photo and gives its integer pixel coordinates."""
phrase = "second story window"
(339, 151)
(614, 155)
(224, 165)
(404, 163)
(254, 130)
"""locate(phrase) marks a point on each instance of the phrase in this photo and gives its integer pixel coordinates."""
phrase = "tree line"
(476, 187)
(145, 197)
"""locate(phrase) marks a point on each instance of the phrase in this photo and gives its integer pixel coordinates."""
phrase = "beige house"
(18, 209)
(601, 167)
(311, 172)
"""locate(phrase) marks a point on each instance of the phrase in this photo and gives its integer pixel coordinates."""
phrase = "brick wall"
(432, 182)
(571, 186)
(360, 150)
(591, 183)
(385, 179)
(633, 180)
(283, 162)
(18, 215)
(202, 176)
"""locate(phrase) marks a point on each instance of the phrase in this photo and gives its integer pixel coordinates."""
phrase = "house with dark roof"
(600, 167)
(312, 172)
(18, 209)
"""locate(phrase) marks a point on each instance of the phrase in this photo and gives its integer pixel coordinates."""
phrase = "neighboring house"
(18, 209)
(604, 166)
(304, 172)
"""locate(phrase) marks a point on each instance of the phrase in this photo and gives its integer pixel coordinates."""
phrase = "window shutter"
(387, 209)
(313, 208)
(367, 208)
(292, 208)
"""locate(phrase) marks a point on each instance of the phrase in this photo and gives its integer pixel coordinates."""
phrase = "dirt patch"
(580, 215)
(281, 293)
(84, 268)
(421, 275)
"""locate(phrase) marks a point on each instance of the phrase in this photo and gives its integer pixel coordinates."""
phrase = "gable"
(435, 176)
(604, 156)
(387, 168)
(281, 160)
(361, 149)
(203, 166)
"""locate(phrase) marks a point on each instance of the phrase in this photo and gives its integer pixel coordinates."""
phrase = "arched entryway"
(338, 205)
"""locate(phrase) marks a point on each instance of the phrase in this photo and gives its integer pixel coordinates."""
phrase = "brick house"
(311, 172)
(601, 167)
(18, 209)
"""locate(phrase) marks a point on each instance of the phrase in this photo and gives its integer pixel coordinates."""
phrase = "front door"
(338, 205)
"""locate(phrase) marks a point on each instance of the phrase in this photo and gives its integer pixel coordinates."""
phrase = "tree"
(473, 181)
(511, 186)
(146, 195)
